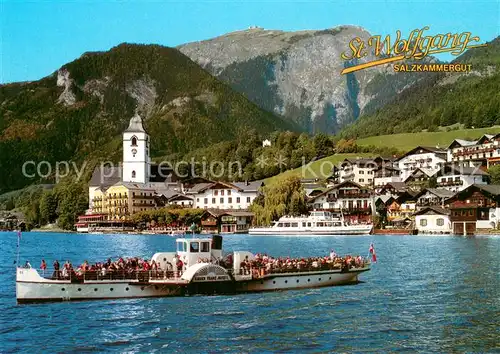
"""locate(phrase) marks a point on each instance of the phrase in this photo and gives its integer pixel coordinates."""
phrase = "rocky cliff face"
(297, 74)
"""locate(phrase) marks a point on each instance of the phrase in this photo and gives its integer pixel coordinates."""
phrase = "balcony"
(119, 196)
(425, 203)
(450, 183)
(473, 151)
(353, 195)
(144, 205)
(351, 209)
(148, 197)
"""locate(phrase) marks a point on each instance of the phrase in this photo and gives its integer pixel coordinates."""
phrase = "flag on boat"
(19, 235)
(372, 252)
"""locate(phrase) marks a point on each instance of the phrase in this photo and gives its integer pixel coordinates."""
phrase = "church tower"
(136, 160)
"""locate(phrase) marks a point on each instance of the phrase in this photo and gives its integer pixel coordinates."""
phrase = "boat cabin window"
(303, 224)
(194, 247)
(205, 247)
(319, 224)
(308, 224)
(295, 224)
(287, 224)
(280, 224)
(181, 246)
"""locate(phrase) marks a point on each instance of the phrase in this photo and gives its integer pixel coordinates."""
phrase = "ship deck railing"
(259, 272)
(141, 276)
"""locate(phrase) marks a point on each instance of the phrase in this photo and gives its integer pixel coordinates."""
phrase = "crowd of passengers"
(120, 268)
(263, 264)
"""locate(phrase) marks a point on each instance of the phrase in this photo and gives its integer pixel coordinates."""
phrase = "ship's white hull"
(321, 231)
(302, 280)
(31, 287)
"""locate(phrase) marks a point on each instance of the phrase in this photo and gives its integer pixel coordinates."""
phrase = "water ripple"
(425, 295)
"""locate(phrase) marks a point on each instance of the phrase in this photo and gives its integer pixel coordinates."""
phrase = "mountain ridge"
(79, 112)
(296, 74)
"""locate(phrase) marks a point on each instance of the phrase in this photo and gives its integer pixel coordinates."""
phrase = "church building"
(116, 192)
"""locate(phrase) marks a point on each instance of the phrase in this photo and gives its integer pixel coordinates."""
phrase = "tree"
(9, 205)
(284, 197)
(48, 207)
(72, 202)
(323, 146)
(494, 172)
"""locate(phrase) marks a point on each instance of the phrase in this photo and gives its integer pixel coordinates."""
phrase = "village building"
(420, 178)
(385, 174)
(351, 199)
(482, 152)
(420, 157)
(181, 200)
(456, 178)
(224, 195)
(312, 187)
(226, 221)
(430, 197)
(120, 191)
(12, 220)
(433, 220)
(394, 189)
(359, 170)
(402, 207)
(474, 208)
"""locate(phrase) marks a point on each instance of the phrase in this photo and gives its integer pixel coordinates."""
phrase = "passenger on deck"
(55, 275)
(27, 264)
(43, 266)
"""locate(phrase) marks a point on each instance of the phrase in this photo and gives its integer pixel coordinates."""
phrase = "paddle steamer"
(204, 271)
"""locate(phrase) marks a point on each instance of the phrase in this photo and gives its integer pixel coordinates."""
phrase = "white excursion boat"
(317, 223)
(197, 267)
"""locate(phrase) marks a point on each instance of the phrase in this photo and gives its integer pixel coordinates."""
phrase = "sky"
(38, 37)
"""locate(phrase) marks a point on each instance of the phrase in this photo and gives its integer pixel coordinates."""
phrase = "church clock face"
(134, 151)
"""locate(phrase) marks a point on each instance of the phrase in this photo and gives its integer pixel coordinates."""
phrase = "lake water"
(425, 294)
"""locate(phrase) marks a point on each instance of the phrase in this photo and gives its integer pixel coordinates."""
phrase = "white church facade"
(117, 192)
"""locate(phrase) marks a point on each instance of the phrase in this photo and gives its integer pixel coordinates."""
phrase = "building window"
(222, 200)
(248, 199)
(216, 192)
(134, 141)
(198, 200)
(440, 222)
(361, 172)
(205, 201)
(369, 180)
(133, 174)
(229, 192)
(213, 200)
(237, 199)
(229, 200)
(423, 222)
(361, 180)
(222, 192)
